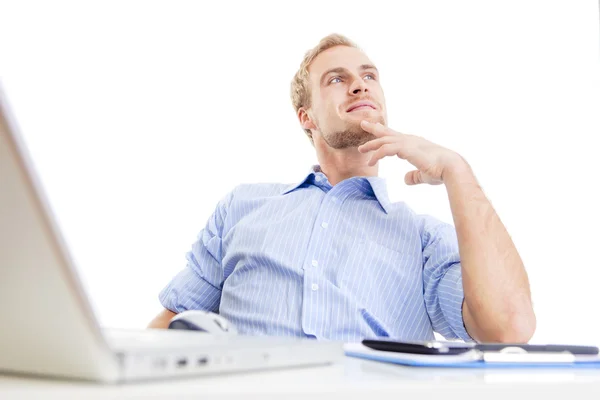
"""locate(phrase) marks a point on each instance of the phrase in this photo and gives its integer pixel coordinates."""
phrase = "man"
(331, 258)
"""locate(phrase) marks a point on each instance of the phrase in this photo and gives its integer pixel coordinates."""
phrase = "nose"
(358, 86)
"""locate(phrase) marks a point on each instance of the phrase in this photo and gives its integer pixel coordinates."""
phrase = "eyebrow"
(339, 70)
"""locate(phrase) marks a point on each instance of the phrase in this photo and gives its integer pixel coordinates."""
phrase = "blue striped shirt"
(328, 262)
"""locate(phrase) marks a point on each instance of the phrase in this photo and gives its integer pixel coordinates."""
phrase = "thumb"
(413, 178)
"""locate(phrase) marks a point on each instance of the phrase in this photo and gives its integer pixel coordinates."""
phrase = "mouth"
(362, 105)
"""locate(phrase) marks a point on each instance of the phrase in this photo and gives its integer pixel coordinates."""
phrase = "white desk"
(353, 378)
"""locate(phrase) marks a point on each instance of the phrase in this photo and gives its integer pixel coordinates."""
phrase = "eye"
(333, 80)
(370, 76)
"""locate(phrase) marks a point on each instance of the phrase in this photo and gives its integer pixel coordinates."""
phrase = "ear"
(305, 119)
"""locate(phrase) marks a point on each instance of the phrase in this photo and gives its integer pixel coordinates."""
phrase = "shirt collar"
(307, 178)
(377, 185)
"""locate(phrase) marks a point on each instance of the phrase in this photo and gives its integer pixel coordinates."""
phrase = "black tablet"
(452, 348)
(427, 347)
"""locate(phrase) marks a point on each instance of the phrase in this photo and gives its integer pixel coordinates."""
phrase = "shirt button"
(315, 263)
(314, 287)
(324, 225)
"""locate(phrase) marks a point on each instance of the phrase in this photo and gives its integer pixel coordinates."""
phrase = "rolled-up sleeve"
(198, 286)
(442, 279)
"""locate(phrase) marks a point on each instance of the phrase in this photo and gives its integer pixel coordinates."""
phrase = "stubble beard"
(352, 136)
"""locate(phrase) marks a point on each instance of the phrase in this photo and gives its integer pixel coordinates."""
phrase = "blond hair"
(300, 87)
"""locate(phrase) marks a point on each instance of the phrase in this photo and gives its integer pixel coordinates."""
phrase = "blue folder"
(474, 359)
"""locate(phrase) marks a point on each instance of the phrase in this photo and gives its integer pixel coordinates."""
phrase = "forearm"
(497, 306)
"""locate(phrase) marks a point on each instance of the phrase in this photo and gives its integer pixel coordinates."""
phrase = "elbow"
(516, 325)
(517, 329)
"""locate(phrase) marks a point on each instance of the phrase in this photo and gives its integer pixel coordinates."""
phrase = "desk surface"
(352, 378)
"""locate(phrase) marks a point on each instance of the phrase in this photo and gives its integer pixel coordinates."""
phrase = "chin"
(351, 135)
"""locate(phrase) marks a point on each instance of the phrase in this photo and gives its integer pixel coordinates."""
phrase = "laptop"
(49, 327)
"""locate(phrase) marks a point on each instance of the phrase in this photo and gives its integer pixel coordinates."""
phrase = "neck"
(339, 165)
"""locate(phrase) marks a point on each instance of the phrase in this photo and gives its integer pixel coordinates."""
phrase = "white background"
(140, 116)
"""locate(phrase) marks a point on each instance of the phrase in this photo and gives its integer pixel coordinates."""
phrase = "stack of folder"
(475, 355)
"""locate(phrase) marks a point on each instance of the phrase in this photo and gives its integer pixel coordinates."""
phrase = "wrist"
(458, 171)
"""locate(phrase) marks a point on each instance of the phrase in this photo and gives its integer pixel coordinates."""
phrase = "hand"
(431, 160)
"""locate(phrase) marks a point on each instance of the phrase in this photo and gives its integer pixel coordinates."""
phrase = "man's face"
(345, 90)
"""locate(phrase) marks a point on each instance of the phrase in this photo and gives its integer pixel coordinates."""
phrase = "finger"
(376, 143)
(413, 178)
(376, 129)
(390, 149)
